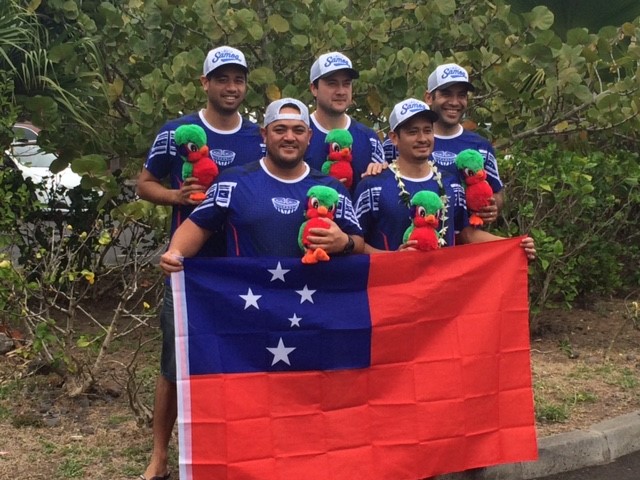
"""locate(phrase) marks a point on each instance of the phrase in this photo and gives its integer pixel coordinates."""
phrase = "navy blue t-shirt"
(384, 217)
(262, 214)
(366, 148)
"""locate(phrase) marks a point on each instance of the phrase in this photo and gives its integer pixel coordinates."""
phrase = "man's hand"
(189, 186)
(331, 239)
(489, 213)
(171, 261)
(374, 169)
(528, 245)
(408, 246)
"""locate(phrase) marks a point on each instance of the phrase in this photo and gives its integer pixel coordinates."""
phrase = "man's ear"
(393, 136)
(428, 98)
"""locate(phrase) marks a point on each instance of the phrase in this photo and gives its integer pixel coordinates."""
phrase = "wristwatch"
(348, 248)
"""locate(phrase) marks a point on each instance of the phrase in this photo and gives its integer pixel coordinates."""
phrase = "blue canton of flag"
(269, 315)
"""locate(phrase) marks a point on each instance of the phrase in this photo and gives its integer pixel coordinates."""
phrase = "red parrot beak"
(431, 220)
(345, 153)
(322, 211)
(481, 175)
(204, 151)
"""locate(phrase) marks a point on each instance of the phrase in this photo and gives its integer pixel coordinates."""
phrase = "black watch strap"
(348, 248)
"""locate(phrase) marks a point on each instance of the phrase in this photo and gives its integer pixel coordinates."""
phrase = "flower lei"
(405, 196)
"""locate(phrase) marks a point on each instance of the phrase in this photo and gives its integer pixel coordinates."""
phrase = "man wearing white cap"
(232, 140)
(265, 201)
(448, 88)
(384, 218)
(331, 79)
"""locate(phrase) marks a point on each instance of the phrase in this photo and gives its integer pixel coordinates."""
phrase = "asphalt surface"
(624, 468)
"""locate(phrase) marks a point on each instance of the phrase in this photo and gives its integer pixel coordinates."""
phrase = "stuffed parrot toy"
(338, 162)
(470, 163)
(192, 147)
(425, 208)
(322, 202)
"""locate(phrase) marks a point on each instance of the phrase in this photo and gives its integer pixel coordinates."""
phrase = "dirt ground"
(586, 368)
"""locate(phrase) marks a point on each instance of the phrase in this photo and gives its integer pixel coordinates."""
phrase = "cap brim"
(246, 70)
(353, 73)
(469, 85)
(429, 114)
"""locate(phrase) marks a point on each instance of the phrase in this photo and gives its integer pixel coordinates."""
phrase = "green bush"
(582, 210)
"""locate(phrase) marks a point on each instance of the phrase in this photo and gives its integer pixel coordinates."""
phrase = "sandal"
(164, 477)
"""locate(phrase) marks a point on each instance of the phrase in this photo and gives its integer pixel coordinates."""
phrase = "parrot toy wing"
(425, 208)
(191, 141)
(322, 202)
(470, 163)
(338, 162)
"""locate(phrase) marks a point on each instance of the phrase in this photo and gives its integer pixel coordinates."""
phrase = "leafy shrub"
(54, 264)
(582, 210)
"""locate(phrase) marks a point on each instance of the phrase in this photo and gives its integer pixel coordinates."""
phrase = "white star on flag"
(278, 272)
(306, 294)
(295, 320)
(250, 300)
(281, 353)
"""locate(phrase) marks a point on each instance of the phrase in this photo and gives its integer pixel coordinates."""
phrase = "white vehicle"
(25, 155)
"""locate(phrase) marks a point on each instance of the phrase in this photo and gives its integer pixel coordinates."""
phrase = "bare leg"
(165, 410)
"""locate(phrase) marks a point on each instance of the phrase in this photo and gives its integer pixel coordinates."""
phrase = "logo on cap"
(337, 61)
(226, 56)
(454, 73)
(411, 107)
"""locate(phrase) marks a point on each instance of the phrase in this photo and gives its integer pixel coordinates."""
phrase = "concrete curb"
(600, 444)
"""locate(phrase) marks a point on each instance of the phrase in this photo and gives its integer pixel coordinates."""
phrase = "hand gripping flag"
(391, 366)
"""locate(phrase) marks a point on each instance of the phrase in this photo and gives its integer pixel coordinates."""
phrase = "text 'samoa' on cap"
(329, 63)
(273, 111)
(221, 56)
(407, 109)
(446, 75)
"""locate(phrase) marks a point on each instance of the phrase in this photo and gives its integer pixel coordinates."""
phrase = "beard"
(287, 162)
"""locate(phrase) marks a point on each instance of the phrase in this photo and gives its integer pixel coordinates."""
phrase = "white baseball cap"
(448, 74)
(221, 56)
(273, 111)
(328, 63)
(407, 109)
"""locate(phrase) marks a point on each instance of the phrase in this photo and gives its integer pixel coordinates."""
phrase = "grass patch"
(551, 412)
(71, 468)
(553, 404)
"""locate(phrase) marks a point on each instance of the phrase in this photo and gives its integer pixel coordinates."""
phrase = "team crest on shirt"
(444, 158)
(222, 157)
(286, 206)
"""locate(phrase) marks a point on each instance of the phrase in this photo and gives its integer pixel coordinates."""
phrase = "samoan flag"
(389, 366)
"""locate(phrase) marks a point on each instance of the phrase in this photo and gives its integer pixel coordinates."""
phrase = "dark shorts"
(168, 355)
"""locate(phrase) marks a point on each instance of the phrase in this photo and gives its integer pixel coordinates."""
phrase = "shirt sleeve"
(211, 214)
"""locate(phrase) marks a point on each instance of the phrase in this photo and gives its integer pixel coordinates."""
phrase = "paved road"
(624, 468)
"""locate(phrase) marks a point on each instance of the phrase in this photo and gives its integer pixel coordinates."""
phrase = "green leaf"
(299, 41)
(262, 76)
(61, 52)
(300, 21)
(607, 101)
(278, 23)
(446, 7)
(541, 18)
(558, 248)
(93, 163)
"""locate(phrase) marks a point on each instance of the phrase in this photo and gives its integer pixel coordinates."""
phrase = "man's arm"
(187, 240)
(476, 235)
(151, 188)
